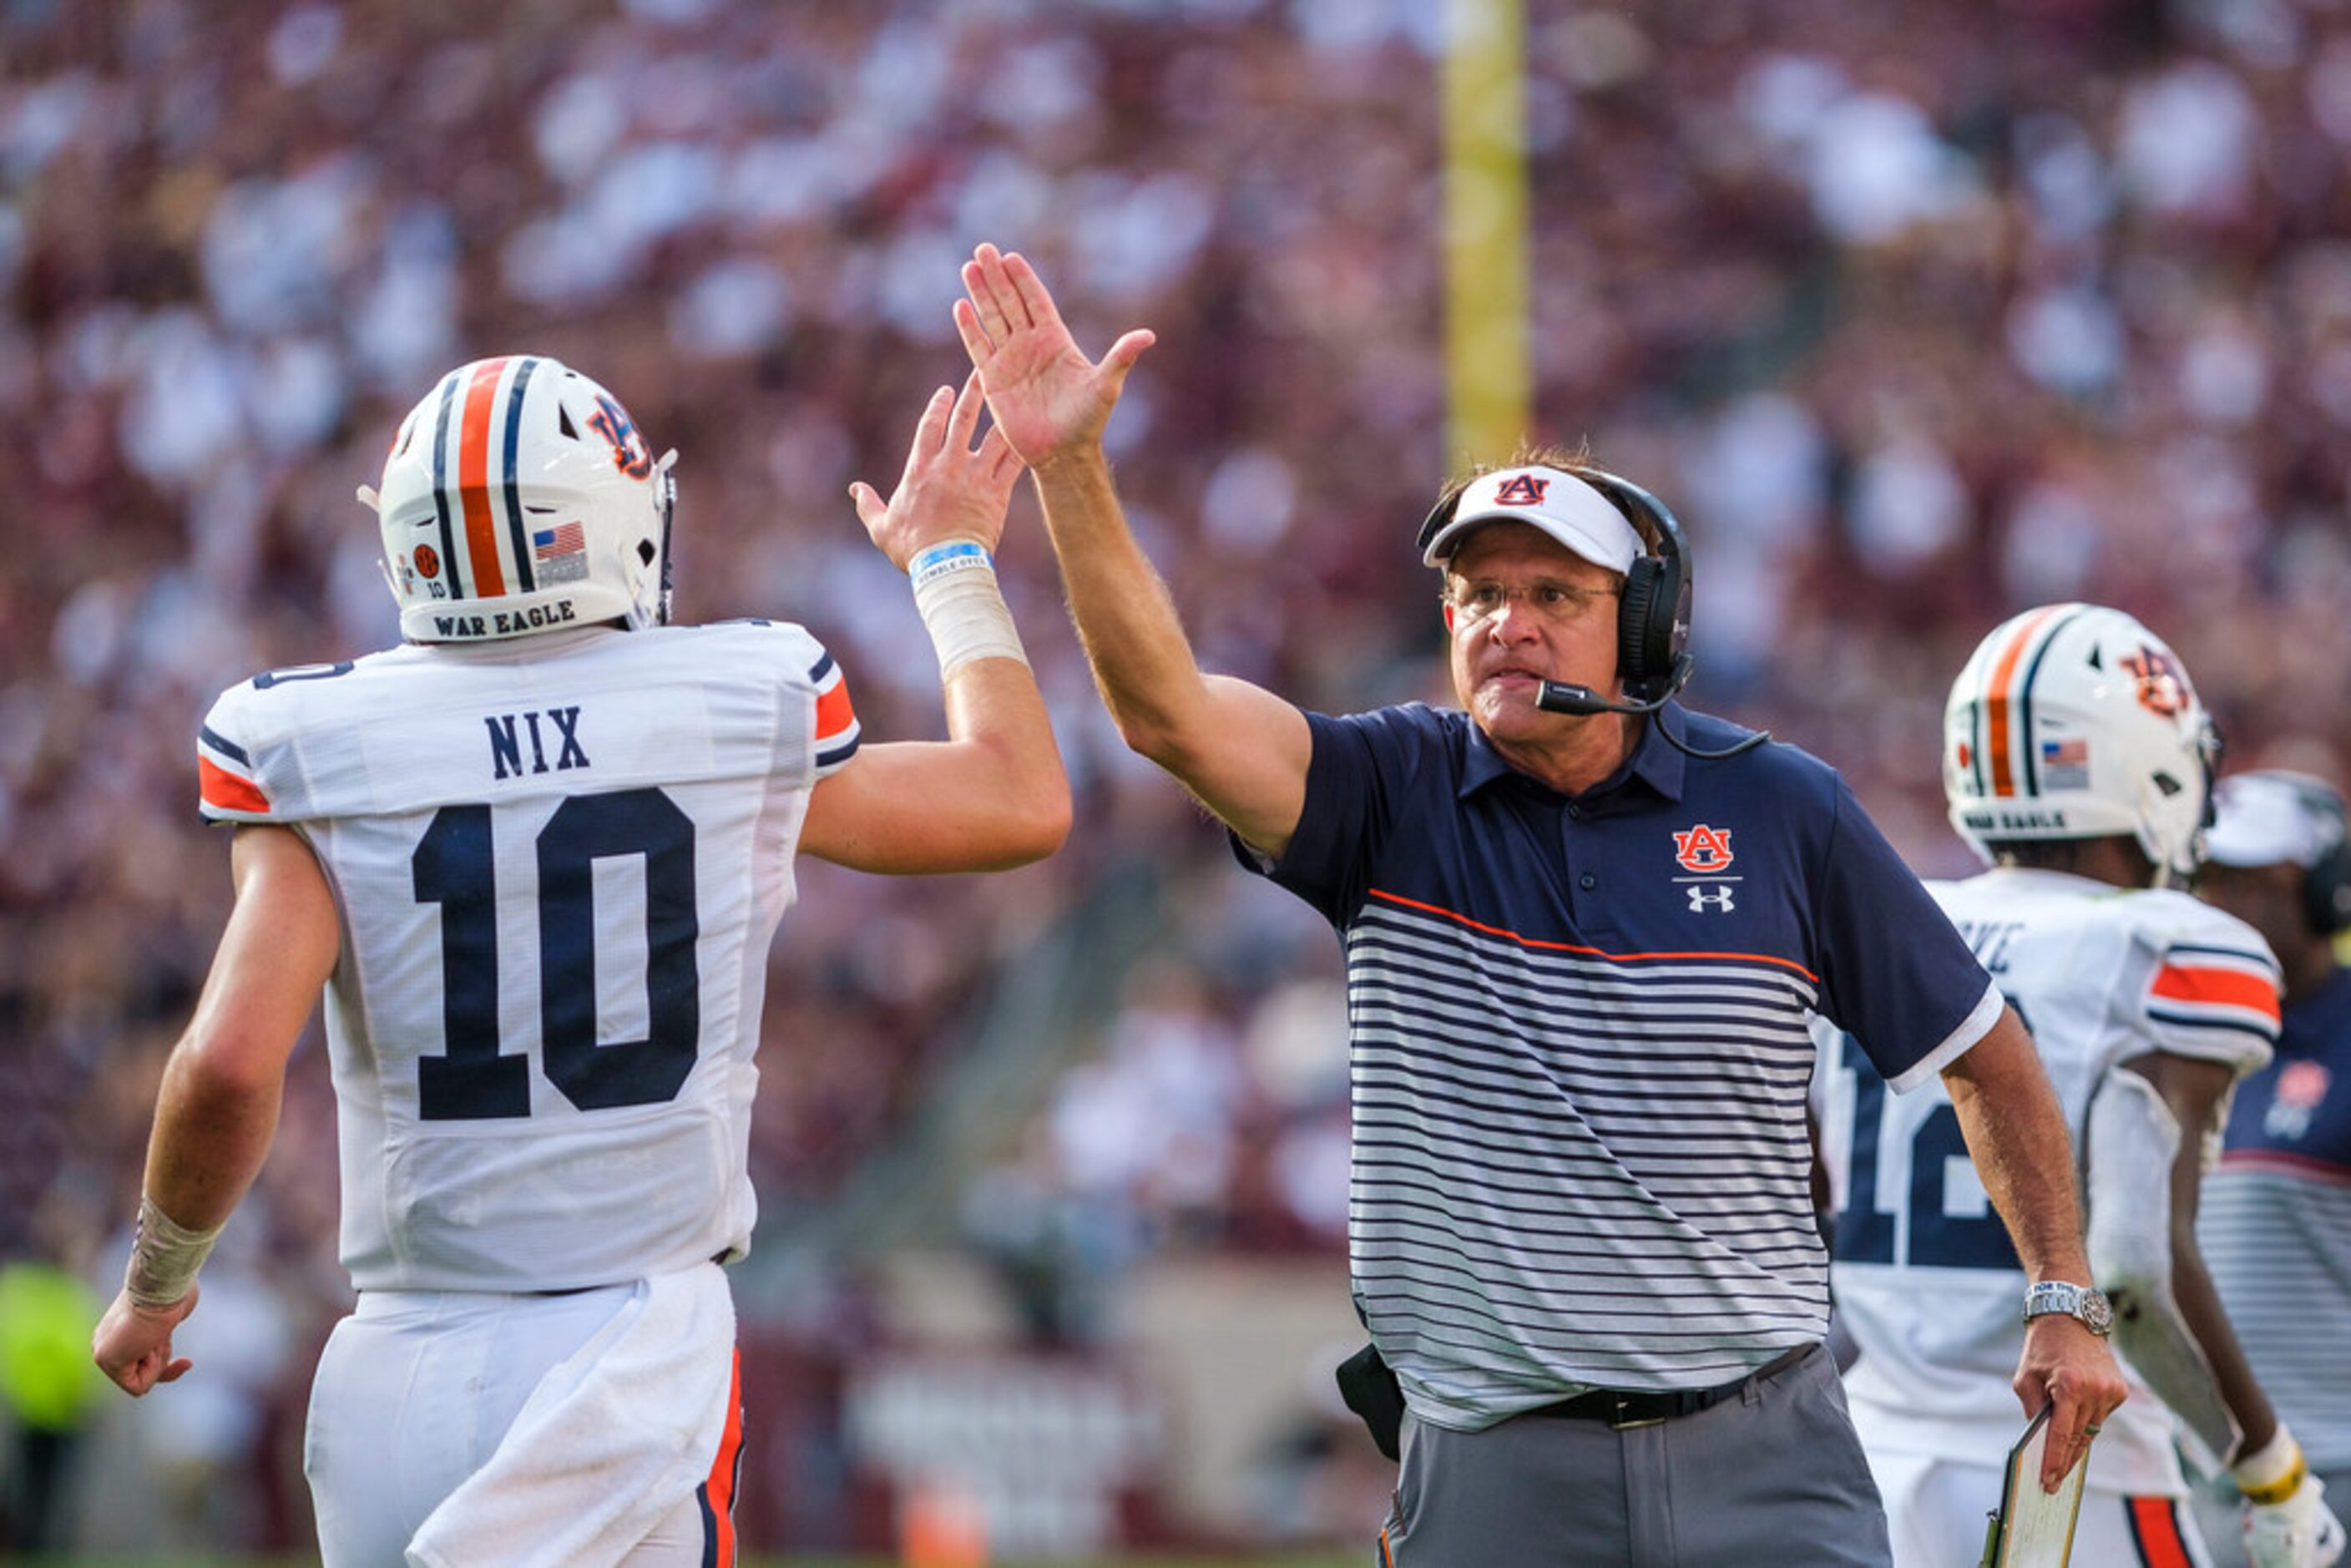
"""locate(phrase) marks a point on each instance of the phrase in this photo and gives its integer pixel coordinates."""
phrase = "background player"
(535, 858)
(2275, 1221)
(2076, 762)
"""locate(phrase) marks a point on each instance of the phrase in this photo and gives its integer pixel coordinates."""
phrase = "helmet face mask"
(2073, 721)
(519, 498)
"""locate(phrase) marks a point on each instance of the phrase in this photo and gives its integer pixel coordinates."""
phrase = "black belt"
(717, 1257)
(1646, 1407)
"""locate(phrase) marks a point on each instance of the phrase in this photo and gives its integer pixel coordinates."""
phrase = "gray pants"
(1773, 1474)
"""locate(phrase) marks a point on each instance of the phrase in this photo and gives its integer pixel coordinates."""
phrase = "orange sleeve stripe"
(2218, 987)
(833, 714)
(474, 480)
(225, 790)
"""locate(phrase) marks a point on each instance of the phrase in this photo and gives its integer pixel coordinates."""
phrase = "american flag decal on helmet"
(560, 553)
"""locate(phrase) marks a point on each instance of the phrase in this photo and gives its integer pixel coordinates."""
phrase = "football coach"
(1584, 927)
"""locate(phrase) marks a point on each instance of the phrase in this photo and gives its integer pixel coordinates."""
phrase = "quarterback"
(533, 858)
(2077, 762)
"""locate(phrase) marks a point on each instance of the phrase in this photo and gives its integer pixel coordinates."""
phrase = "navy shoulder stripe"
(222, 745)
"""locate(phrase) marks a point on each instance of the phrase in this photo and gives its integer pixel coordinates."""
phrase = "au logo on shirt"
(2301, 1088)
(1705, 851)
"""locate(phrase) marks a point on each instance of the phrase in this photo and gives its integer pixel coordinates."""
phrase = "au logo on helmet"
(1703, 849)
(2162, 683)
(630, 456)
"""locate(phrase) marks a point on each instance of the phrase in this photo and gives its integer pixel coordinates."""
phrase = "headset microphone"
(1562, 696)
(1559, 697)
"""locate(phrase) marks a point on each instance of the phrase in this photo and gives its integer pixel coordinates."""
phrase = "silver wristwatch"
(2091, 1306)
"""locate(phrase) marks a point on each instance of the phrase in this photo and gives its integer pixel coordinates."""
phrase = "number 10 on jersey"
(454, 866)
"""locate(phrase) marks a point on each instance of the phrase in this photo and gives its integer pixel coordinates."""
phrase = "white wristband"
(164, 1256)
(955, 590)
(2274, 1473)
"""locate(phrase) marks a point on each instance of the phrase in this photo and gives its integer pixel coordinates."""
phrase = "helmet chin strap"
(668, 483)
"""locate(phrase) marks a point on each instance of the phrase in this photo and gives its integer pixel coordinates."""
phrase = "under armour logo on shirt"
(1717, 898)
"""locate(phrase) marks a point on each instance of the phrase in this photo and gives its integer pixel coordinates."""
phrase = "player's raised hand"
(951, 489)
(1048, 398)
(133, 1344)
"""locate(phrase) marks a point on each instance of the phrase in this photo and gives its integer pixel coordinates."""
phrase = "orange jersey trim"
(1588, 952)
(2155, 1521)
(2218, 987)
(474, 479)
(720, 1486)
(833, 714)
(225, 789)
(2003, 672)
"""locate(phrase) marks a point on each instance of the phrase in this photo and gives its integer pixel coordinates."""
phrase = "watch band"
(2084, 1305)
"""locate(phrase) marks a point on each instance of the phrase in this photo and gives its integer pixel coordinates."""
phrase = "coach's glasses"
(1558, 603)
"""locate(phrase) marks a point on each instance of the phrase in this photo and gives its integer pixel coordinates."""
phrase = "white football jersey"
(1925, 1278)
(559, 863)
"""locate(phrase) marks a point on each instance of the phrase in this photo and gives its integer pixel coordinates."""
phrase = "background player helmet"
(519, 498)
(2072, 721)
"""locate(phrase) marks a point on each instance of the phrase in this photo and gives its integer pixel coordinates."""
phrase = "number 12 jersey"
(1927, 1280)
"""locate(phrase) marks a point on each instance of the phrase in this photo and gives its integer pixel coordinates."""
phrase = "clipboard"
(2034, 1529)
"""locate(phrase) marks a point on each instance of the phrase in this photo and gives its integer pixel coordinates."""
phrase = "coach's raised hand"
(1048, 398)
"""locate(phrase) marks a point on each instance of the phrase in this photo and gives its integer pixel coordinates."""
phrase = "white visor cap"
(1563, 506)
(2266, 819)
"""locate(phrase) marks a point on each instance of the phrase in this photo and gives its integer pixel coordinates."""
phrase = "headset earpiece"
(1635, 613)
(2327, 885)
(1653, 617)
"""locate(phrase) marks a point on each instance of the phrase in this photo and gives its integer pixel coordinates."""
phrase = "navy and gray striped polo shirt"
(2274, 1222)
(1580, 1051)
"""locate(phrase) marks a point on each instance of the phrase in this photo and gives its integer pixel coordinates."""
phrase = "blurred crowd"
(1915, 313)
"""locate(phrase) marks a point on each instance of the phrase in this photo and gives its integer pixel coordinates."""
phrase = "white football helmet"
(2072, 721)
(519, 498)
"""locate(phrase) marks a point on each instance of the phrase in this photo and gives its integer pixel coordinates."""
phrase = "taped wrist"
(2274, 1473)
(963, 608)
(164, 1256)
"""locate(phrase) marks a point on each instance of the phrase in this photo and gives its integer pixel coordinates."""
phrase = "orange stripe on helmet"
(225, 790)
(474, 478)
(2218, 987)
(2003, 673)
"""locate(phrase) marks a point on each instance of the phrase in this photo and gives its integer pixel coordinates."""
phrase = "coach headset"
(2327, 881)
(1652, 611)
